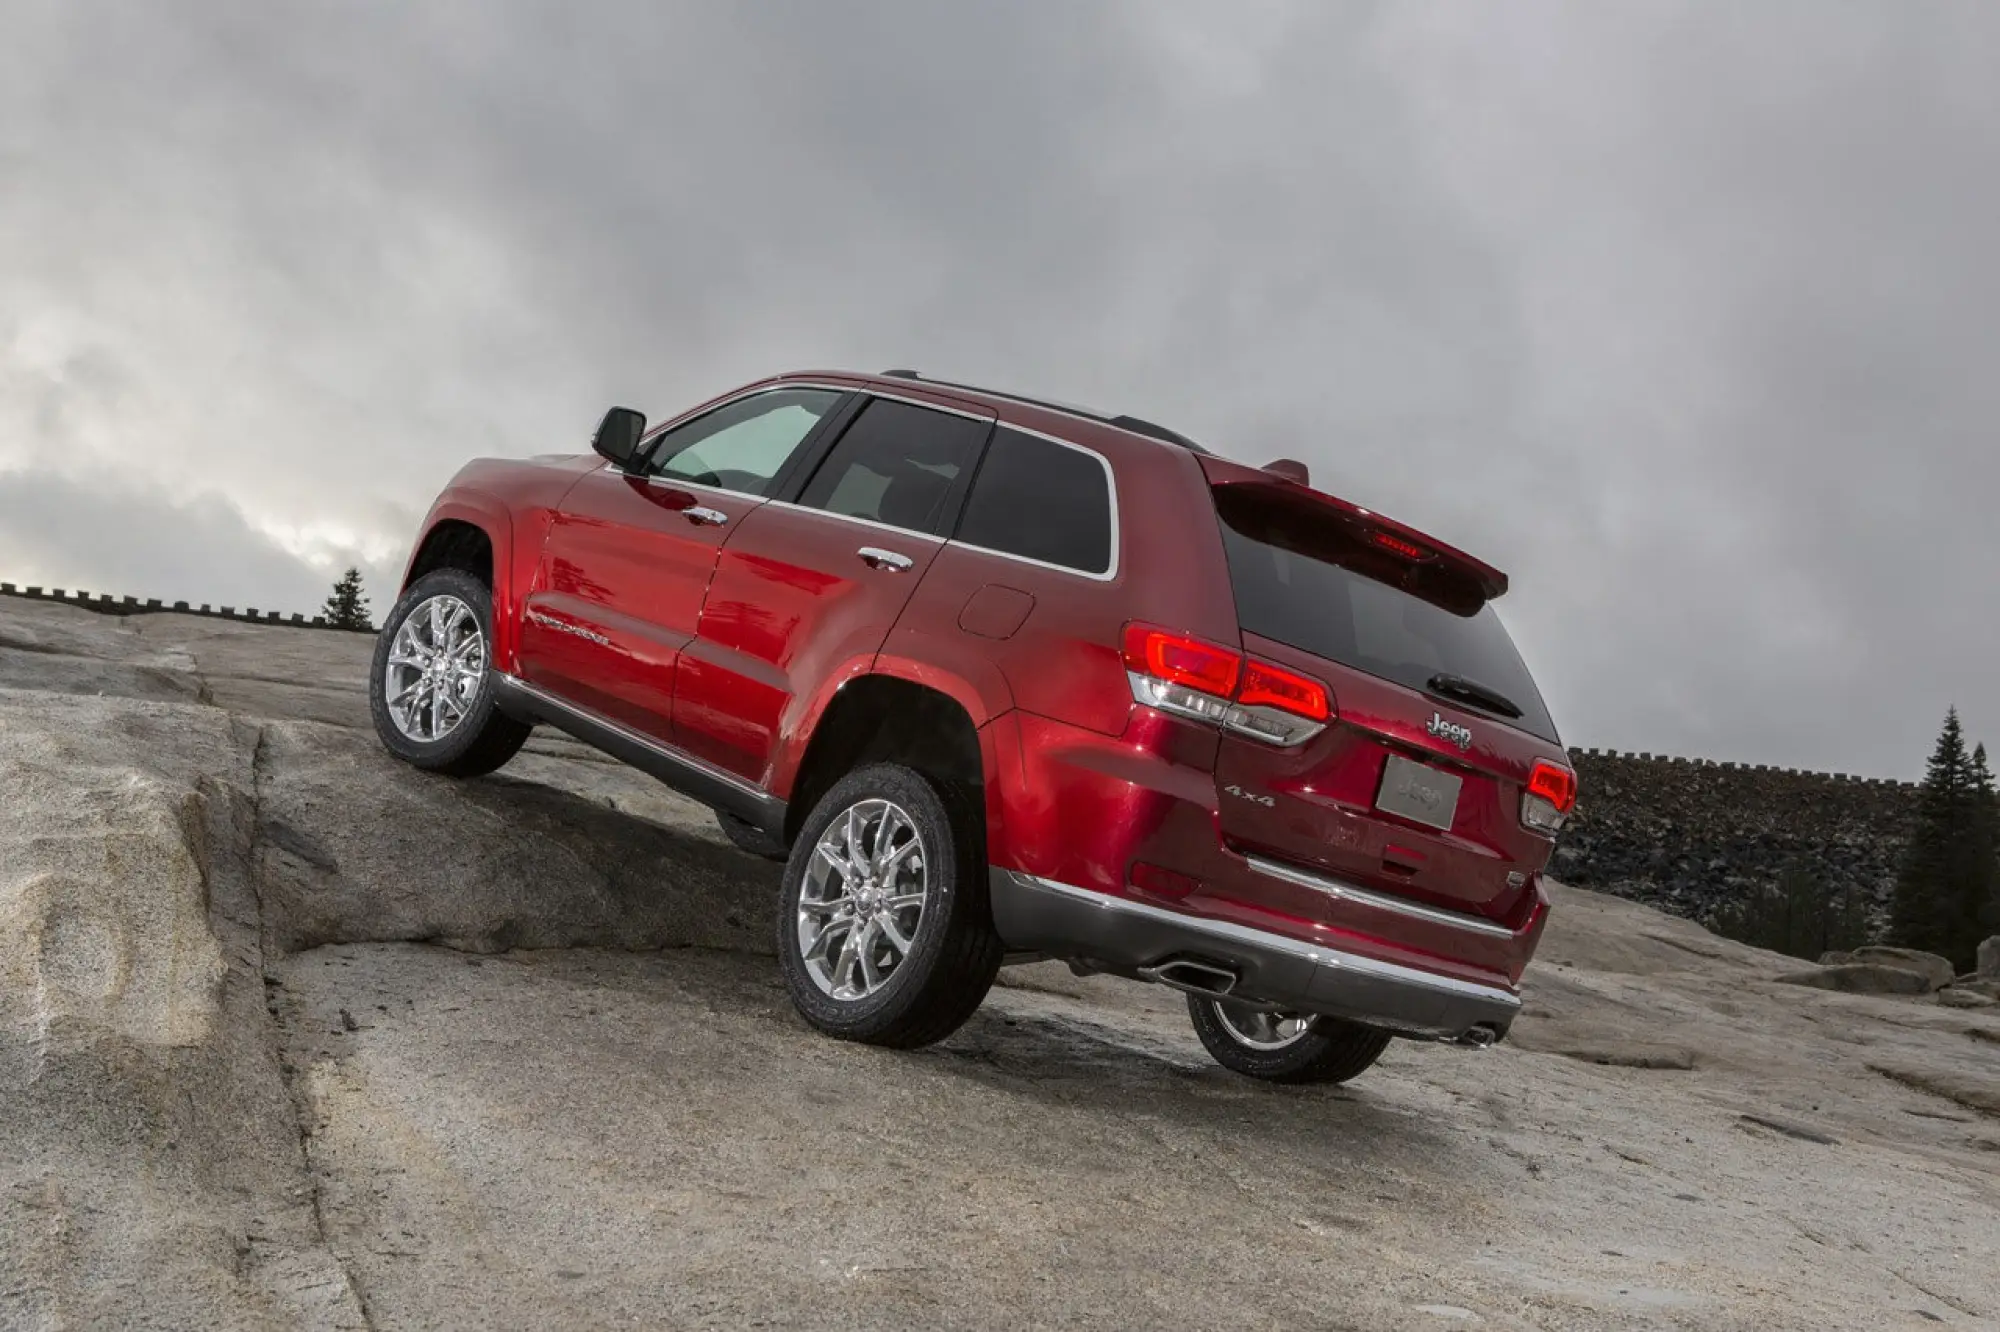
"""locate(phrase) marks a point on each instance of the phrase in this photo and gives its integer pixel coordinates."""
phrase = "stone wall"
(107, 604)
(1690, 835)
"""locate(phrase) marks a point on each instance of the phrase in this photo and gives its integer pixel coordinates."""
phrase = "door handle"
(704, 516)
(885, 559)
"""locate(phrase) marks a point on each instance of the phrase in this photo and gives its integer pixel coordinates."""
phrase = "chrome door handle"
(705, 516)
(885, 559)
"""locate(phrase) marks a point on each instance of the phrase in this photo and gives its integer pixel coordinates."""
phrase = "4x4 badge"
(1452, 731)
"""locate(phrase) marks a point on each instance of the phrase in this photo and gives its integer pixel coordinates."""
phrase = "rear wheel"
(884, 931)
(1282, 1046)
(428, 688)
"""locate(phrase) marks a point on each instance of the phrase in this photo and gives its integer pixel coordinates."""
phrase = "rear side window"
(1302, 579)
(896, 465)
(1042, 501)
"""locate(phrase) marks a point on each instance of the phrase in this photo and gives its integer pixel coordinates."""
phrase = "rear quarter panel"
(1062, 669)
(1065, 662)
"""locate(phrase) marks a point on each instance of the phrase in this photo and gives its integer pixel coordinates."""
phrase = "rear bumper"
(1125, 936)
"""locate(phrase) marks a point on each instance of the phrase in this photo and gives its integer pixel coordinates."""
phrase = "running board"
(692, 777)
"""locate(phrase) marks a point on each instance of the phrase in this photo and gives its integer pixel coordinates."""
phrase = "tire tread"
(960, 973)
(482, 743)
(1335, 1051)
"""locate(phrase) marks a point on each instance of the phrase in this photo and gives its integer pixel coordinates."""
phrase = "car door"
(629, 554)
(807, 588)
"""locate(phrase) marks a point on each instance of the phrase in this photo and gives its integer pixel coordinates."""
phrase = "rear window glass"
(1042, 501)
(1306, 580)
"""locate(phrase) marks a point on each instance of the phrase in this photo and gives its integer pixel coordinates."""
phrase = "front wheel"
(884, 931)
(1284, 1047)
(428, 688)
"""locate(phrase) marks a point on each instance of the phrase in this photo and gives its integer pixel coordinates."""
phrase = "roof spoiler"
(1286, 481)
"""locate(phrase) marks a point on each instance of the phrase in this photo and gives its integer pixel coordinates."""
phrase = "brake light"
(1207, 683)
(1548, 799)
(1395, 545)
(1555, 785)
(1272, 686)
(1181, 660)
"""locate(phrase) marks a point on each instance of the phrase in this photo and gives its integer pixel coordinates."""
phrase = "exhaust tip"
(1478, 1038)
(1193, 977)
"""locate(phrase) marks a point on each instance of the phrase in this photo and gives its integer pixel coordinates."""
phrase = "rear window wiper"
(1471, 691)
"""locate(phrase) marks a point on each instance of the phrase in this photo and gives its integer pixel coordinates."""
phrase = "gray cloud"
(1678, 313)
(102, 537)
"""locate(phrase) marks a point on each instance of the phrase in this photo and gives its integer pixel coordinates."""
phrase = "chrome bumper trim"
(1342, 891)
(1331, 958)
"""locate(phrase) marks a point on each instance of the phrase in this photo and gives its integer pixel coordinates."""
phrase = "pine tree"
(1986, 848)
(1799, 915)
(347, 608)
(1945, 890)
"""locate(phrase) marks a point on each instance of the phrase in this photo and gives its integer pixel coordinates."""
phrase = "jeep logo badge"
(1452, 731)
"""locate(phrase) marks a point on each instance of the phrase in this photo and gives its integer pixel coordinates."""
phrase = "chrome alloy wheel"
(435, 670)
(862, 899)
(1262, 1030)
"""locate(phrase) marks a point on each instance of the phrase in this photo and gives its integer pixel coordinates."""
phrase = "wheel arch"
(454, 541)
(887, 718)
(474, 533)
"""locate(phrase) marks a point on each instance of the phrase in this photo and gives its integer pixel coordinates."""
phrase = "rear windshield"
(1307, 580)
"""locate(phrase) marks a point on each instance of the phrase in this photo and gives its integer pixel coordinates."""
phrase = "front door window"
(742, 445)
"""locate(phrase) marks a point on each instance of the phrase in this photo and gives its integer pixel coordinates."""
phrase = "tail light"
(1208, 683)
(1550, 796)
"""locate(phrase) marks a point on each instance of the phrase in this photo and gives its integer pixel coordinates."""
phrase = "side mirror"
(617, 436)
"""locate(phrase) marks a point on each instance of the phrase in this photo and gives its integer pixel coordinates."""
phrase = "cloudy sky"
(1684, 314)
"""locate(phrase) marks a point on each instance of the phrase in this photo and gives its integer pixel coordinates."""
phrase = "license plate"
(1419, 793)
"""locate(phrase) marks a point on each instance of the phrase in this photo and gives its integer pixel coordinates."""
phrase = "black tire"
(954, 952)
(1330, 1050)
(484, 738)
(748, 837)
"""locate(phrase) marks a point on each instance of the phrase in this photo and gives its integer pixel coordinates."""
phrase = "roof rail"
(1139, 427)
(1132, 423)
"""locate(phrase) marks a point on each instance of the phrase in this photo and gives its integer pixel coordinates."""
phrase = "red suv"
(1005, 680)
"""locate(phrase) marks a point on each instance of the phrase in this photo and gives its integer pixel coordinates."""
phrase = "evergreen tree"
(347, 608)
(1945, 891)
(1800, 916)
(1986, 844)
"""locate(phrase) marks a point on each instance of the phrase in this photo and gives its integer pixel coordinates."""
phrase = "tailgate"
(1452, 836)
(1415, 787)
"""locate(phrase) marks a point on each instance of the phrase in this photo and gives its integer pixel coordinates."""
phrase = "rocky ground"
(294, 1037)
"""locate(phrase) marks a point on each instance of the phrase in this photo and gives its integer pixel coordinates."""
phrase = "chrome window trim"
(1111, 496)
(1280, 943)
(1110, 473)
(704, 409)
(966, 412)
(1076, 412)
(1342, 891)
(674, 481)
(758, 501)
(969, 413)
(879, 526)
(647, 440)
(666, 751)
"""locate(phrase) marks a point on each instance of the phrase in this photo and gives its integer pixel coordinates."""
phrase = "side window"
(895, 465)
(741, 445)
(1042, 501)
